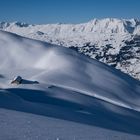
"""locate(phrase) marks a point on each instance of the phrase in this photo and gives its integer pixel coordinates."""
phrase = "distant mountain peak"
(20, 24)
(4, 25)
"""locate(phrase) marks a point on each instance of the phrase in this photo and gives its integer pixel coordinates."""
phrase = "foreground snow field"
(25, 126)
(63, 95)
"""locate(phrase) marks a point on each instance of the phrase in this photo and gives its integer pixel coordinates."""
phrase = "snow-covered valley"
(115, 42)
(63, 95)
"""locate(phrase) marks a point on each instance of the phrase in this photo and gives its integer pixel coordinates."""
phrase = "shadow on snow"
(72, 106)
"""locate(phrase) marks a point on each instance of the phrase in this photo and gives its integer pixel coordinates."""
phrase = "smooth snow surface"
(63, 95)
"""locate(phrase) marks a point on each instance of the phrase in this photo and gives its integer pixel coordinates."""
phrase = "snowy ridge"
(95, 31)
(70, 87)
(112, 41)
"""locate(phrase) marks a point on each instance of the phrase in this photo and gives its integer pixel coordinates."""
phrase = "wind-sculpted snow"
(61, 83)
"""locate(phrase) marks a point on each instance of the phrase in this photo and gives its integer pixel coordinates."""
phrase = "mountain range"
(115, 42)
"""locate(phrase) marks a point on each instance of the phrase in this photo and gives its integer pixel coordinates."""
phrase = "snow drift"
(87, 91)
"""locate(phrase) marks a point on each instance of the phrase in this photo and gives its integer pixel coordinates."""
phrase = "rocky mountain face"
(127, 59)
(115, 42)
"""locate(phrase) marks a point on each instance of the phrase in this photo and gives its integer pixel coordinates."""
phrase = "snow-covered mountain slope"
(113, 41)
(63, 84)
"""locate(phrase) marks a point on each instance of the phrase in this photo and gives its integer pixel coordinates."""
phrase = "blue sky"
(66, 11)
